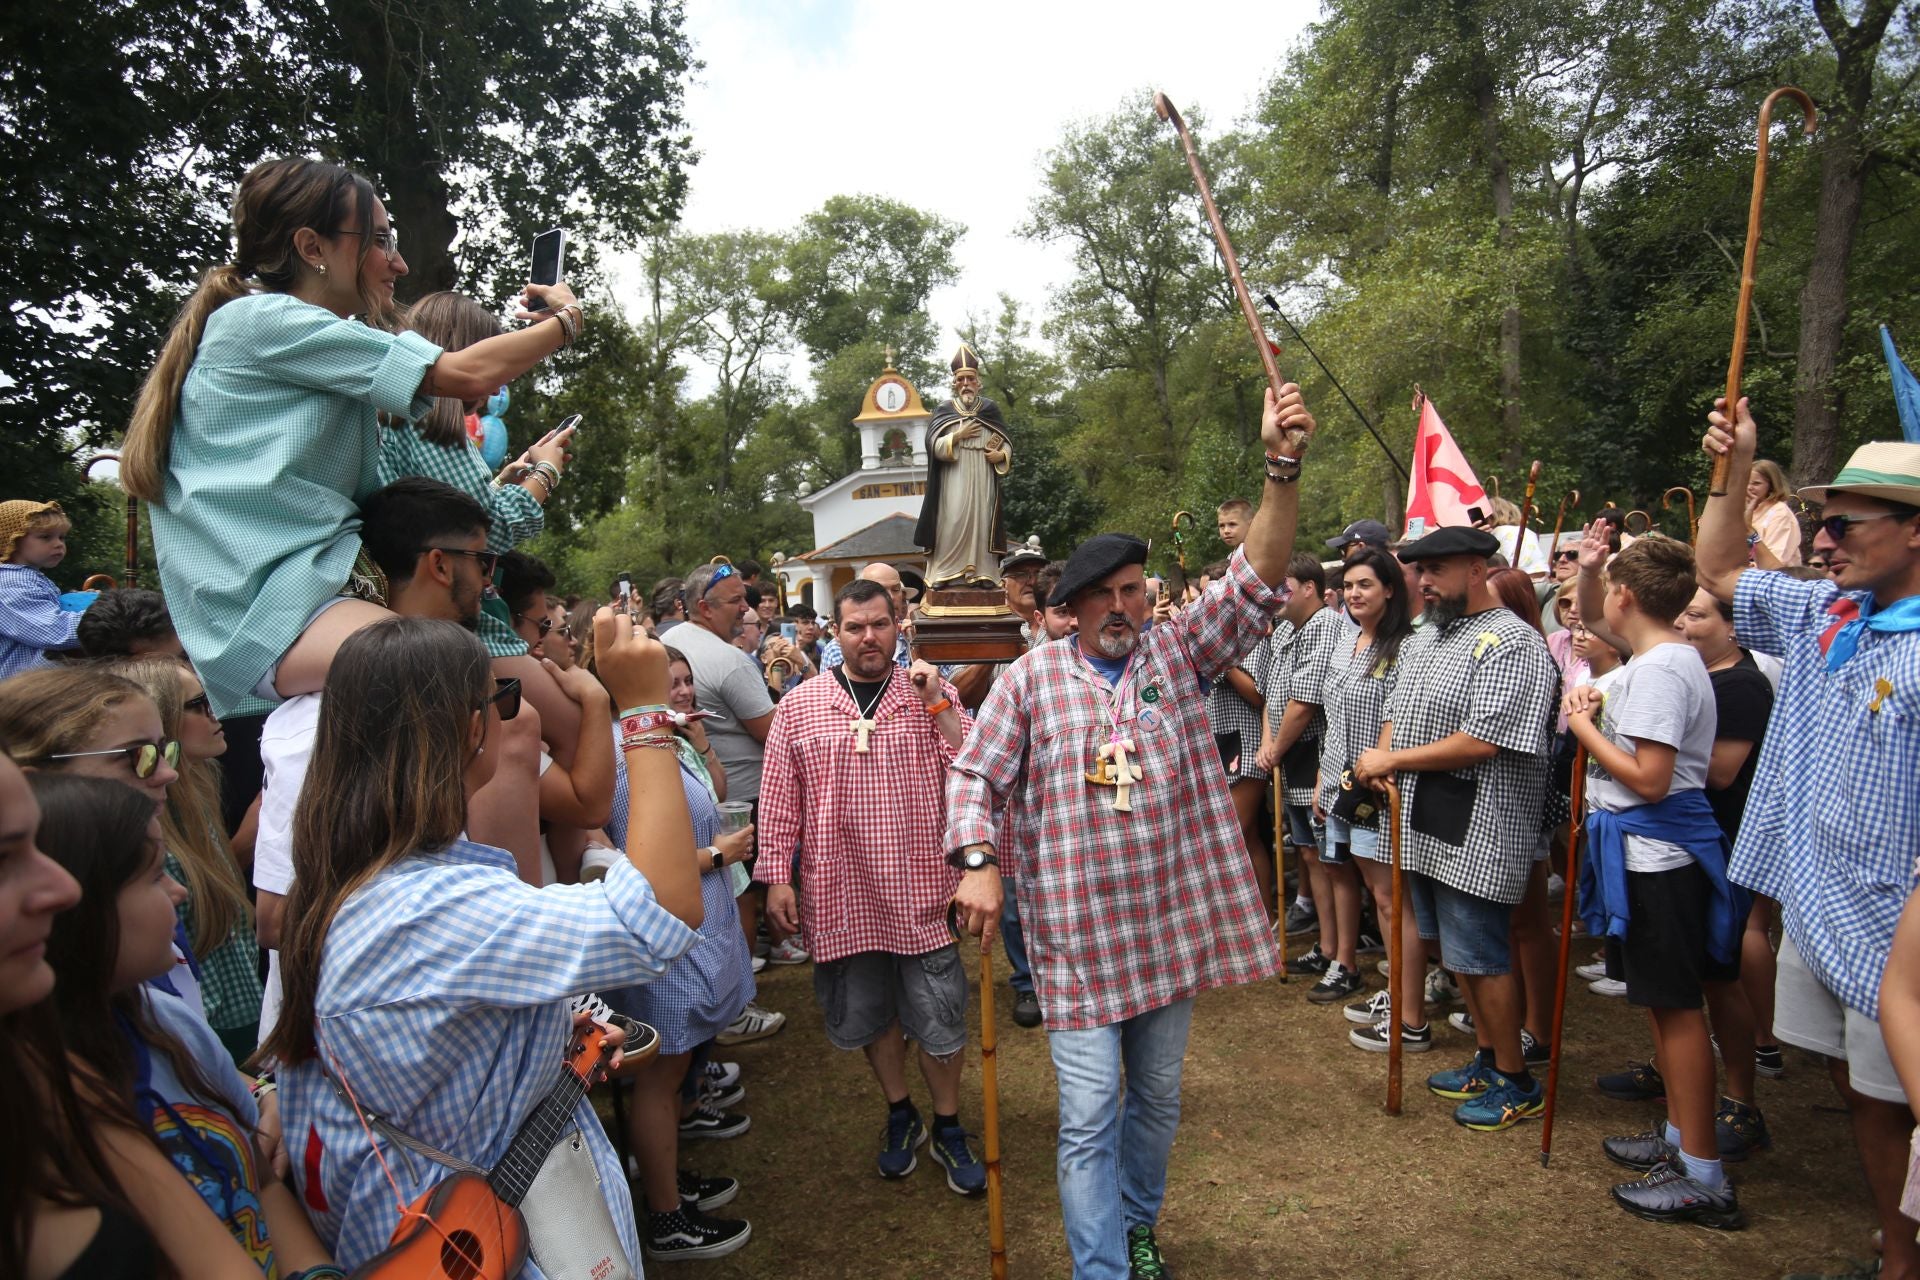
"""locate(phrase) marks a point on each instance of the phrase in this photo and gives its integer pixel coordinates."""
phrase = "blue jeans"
(1021, 979)
(1113, 1156)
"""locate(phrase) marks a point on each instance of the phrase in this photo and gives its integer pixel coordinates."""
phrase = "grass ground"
(1286, 1164)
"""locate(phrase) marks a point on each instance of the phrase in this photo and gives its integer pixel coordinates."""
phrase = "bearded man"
(960, 522)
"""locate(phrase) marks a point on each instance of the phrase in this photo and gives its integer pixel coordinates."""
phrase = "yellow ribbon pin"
(1881, 688)
(1486, 641)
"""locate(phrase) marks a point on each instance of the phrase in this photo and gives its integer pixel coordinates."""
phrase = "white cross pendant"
(1125, 773)
(861, 728)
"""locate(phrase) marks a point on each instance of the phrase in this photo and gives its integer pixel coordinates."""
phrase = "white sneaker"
(788, 951)
(1386, 969)
(1461, 1022)
(1591, 972)
(597, 861)
(1608, 987)
(1441, 988)
(759, 963)
(754, 1023)
(1371, 1010)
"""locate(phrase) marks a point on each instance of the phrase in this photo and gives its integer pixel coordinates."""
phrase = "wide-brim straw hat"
(1886, 469)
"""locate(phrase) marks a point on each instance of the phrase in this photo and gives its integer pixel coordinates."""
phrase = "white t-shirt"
(286, 749)
(1665, 695)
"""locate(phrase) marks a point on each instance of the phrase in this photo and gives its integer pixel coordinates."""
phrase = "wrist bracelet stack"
(647, 726)
(548, 475)
(572, 318)
(1281, 469)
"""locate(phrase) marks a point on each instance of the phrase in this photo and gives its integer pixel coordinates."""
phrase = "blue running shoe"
(903, 1133)
(1469, 1081)
(1502, 1106)
(965, 1174)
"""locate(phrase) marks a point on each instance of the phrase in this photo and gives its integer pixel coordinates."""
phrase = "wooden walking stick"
(1570, 496)
(133, 524)
(1722, 463)
(989, 1105)
(1693, 521)
(1280, 862)
(1646, 523)
(1394, 1050)
(1177, 578)
(1574, 825)
(1166, 111)
(1526, 514)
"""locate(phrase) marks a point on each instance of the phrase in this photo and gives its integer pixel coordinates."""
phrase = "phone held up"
(625, 598)
(549, 257)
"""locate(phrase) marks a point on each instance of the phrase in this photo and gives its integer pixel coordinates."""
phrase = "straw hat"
(1886, 469)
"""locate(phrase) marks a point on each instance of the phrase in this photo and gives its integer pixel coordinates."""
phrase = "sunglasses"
(146, 756)
(1566, 555)
(544, 624)
(506, 696)
(200, 705)
(1836, 527)
(489, 560)
(720, 575)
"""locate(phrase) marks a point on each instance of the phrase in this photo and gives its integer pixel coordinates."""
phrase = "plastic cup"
(734, 814)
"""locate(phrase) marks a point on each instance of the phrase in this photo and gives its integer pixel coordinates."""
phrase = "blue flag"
(1906, 390)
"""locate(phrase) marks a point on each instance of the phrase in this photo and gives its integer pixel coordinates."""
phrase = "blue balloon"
(493, 441)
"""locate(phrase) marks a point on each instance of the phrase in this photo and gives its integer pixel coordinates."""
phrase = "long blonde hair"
(276, 199)
(191, 822)
(1776, 479)
(54, 710)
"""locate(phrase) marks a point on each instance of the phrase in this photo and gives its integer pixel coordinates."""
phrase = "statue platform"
(966, 625)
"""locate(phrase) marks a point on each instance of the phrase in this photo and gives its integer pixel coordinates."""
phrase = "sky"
(948, 108)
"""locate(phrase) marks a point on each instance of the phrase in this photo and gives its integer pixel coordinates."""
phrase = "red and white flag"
(1443, 485)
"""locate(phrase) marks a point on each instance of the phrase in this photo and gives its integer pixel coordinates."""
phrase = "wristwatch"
(972, 859)
(713, 853)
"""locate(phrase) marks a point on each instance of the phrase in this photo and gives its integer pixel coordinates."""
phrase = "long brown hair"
(387, 781)
(1514, 589)
(56, 709)
(276, 199)
(450, 321)
(191, 821)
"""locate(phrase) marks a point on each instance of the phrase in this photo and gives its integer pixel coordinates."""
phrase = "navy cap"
(1095, 560)
(1371, 532)
(1454, 540)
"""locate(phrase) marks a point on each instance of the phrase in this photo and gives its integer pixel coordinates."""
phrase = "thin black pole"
(1275, 307)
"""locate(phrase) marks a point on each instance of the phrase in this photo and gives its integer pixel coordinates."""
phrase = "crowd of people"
(337, 866)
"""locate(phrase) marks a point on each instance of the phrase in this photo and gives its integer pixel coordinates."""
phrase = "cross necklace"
(863, 724)
(1113, 764)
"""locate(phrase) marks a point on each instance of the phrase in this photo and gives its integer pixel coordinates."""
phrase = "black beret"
(1454, 540)
(1094, 560)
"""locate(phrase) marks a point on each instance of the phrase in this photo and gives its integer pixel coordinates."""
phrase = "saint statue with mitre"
(968, 454)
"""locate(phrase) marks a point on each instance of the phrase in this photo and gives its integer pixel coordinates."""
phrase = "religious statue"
(968, 454)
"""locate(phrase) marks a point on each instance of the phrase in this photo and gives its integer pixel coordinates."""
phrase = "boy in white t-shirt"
(1654, 883)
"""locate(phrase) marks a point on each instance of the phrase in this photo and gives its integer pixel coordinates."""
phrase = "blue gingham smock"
(705, 990)
(273, 448)
(443, 1005)
(1833, 816)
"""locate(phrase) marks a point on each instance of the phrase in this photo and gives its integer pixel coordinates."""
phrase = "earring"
(321, 268)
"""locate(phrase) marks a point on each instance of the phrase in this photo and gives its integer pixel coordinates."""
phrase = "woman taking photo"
(257, 433)
(420, 972)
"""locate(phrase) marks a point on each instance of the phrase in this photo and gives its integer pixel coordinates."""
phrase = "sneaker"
(1640, 1082)
(1592, 971)
(1469, 1081)
(597, 861)
(1461, 1021)
(1026, 1009)
(1608, 987)
(1534, 1052)
(1441, 988)
(1642, 1151)
(1337, 984)
(1300, 919)
(1372, 1009)
(1556, 885)
(965, 1174)
(687, 1233)
(759, 963)
(723, 1074)
(1740, 1130)
(706, 1193)
(754, 1023)
(1667, 1194)
(903, 1133)
(1314, 961)
(1769, 1061)
(1143, 1255)
(705, 1122)
(788, 951)
(1503, 1105)
(1385, 968)
(1378, 1038)
(1370, 944)
(721, 1096)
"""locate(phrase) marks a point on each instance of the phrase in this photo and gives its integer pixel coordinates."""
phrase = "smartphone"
(549, 257)
(1475, 515)
(1416, 528)
(790, 632)
(625, 599)
(569, 423)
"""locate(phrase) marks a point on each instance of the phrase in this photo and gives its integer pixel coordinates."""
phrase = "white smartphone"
(549, 257)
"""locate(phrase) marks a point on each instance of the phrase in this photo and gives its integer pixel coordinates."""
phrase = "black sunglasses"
(201, 704)
(545, 624)
(506, 696)
(1566, 555)
(489, 560)
(1835, 527)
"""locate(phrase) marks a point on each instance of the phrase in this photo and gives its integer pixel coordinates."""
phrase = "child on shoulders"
(33, 539)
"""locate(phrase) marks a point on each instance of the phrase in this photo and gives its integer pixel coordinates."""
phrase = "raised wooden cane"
(1280, 864)
(1571, 496)
(1526, 515)
(1723, 463)
(1394, 1051)
(1693, 521)
(1571, 891)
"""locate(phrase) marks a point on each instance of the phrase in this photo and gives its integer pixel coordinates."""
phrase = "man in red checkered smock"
(1135, 891)
(853, 783)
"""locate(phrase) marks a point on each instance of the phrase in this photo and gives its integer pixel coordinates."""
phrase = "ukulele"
(469, 1227)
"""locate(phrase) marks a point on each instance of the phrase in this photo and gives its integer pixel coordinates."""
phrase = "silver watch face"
(976, 859)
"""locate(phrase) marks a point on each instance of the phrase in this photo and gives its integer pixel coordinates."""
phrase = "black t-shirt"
(866, 693)
(1744, 702)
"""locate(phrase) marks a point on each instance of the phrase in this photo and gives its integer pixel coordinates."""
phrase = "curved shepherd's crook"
(1571, 496)
(1166, 111)
(1722, 463)
(133, 527)
(1693, 521)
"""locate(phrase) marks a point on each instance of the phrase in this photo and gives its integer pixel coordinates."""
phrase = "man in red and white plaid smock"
(853, 782)
(1135, 891)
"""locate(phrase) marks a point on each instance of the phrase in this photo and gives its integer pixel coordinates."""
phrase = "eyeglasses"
(386, 239)
(489, 560)
(146, 756)
(720, 575)
(1836, 527)
(545, 624)
(200, 705)
(506, 696)
(565, 629)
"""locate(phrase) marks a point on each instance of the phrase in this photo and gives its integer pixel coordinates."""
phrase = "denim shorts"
(1345, 841)
(1302, 828)
(1472, 930)
(864, 994)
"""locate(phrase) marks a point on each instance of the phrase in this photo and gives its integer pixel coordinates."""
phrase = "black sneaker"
(688, 1233)
(1314, 961)
(1768, 1061)
(1642, 1151)
(1300, 919)
(1377, 1038)
(720, 1097)
(1026, 1009)
(1640, 1082)
(1370, 943)
(1143, 1255)
(1537, 1053)
(705, 1122)
(706, 1193)
(1338, 983)
(1740, 1130)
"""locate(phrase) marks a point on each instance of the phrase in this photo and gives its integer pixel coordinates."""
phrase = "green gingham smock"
(274, 445)
(517, 515)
